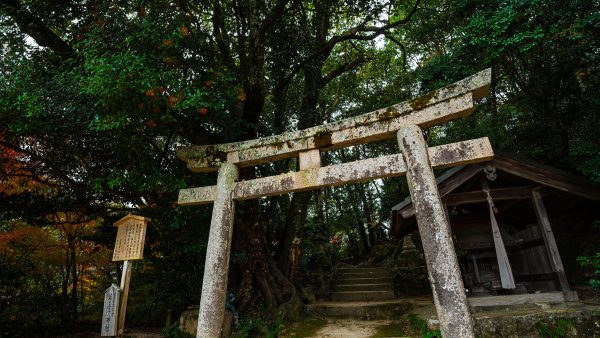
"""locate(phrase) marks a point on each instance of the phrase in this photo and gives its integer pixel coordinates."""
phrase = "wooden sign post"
(128, 246)
(416, 160)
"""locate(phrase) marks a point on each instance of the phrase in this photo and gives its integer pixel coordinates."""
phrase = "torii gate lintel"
(416, 160)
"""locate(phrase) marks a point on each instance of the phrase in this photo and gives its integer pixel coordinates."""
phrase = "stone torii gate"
(416, 160)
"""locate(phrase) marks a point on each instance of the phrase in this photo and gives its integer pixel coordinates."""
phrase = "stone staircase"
(363, 293)
(363, 285)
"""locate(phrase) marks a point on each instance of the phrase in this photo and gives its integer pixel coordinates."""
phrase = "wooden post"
(476, 269)
(549, 241)
(506, 275)
(125, 278)
(214, 284)
(444, 273)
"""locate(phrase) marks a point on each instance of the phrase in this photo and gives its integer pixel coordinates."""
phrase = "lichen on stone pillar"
(442, 264)
(216, 267)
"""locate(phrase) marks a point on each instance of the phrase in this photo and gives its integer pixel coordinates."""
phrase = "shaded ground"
(130, 333)
(349, 328)
(571, 319)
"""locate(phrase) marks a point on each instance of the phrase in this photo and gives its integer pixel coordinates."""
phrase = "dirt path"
(348, 328)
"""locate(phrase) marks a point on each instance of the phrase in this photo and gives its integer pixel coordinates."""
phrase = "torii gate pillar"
(216, 268)
(444, 273)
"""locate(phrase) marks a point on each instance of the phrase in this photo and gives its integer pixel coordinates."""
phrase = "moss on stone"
(421, 101)
(394, 329)
(307, 328)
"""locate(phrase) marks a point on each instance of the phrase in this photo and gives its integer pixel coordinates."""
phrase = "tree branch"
(343, 68)
(399, 44)
(52, 168)
(221, 35)
(35, 28)
(354, 34)
(275, 13)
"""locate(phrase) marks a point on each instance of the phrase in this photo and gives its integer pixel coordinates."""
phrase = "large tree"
(97, 95)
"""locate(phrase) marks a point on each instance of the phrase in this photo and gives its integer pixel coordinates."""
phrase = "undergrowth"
(558, 330)
(173, 331)
(419, 325)
(261, 327)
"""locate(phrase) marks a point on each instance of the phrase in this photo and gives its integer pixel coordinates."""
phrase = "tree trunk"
(260, 277)
(309, 117)
(294, 227)
(74, 282)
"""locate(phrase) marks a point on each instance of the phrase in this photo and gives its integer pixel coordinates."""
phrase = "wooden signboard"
(130, 238)
(110, 312)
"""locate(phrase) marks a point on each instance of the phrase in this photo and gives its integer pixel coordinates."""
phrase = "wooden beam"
(448, 186)
(514, 246)
(451, 102)
(535, 277)
(548, 236)
(500, 194)
(352, 172)
(552, 178)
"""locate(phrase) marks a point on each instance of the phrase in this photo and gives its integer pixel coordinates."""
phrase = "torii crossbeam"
(416, 161)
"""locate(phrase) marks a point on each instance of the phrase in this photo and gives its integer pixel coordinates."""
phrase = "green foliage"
(542, 103)
(419, 325)
(173, 331)
(460, 252)
(558, 328)
(261, 327)
(592, 263)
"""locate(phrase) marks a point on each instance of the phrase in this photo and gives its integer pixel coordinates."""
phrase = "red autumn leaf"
(184, 30)
(150, 123)
(172, 100)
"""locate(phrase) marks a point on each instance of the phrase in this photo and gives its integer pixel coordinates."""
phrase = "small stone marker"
(130, 238)
(109, 314)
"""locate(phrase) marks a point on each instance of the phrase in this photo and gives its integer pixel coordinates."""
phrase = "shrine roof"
(534, 172)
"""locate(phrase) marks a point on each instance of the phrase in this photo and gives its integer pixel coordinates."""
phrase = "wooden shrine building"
(512, 222)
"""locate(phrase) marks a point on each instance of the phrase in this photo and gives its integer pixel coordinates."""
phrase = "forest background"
(96, 95)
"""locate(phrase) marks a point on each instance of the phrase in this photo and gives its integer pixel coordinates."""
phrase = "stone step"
(353, 270)
(377, 280)
(362, 310)
(365, 287)
(361, 296)
(347, 275)
(544, 300)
